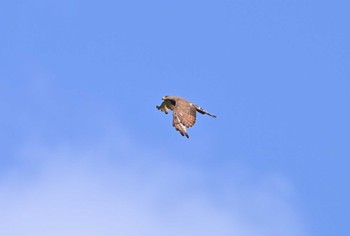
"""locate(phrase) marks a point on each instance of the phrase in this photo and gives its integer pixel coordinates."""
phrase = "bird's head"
(171, 99)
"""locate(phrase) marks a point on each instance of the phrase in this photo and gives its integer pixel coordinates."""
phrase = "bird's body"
(184, 112)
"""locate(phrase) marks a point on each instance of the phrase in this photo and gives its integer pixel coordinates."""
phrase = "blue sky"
(85, 152)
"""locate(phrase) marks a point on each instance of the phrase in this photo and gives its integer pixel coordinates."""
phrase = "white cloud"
(106, 190)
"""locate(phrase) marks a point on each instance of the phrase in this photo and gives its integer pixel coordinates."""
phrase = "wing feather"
(186, 113)
(179, 126)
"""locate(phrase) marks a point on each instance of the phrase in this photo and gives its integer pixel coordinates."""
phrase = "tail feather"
(202, 111)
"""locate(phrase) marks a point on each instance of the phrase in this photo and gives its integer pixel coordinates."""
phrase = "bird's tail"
(202, 111)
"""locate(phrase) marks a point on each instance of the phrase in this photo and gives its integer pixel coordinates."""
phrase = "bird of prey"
(184, 112)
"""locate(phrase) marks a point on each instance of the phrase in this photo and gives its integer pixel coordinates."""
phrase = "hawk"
(184, 112)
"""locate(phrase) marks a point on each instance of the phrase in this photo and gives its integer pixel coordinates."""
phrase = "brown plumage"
(184, 112)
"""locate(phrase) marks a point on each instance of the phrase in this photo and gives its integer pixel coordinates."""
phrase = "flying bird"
(184, 112)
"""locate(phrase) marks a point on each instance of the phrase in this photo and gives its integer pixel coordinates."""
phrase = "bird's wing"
(179, 126)
(184, 115)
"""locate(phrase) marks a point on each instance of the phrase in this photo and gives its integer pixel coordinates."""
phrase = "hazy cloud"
(114, 190)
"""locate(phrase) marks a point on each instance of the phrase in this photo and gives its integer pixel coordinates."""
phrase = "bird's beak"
(163, 98)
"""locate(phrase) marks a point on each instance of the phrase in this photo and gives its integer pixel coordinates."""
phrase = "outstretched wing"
(184, 116)
(179, 126)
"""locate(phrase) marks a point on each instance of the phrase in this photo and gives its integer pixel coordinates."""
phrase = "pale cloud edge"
(114, 188)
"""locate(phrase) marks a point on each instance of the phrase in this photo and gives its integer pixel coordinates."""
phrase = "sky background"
(83, 150)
